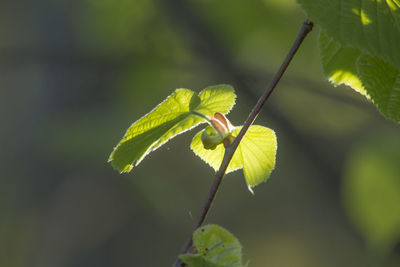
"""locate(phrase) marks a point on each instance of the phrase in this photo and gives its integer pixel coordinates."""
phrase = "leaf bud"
(210, 138)
(221, 124)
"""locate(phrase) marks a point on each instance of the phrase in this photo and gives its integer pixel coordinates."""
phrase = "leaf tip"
(250, 189)
(126, 169)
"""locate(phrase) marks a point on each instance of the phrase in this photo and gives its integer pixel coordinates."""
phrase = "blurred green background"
(75, 74)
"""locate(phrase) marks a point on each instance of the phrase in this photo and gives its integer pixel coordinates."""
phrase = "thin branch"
(305, 29)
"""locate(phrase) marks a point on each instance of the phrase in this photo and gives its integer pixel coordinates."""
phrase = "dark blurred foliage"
(75, 74)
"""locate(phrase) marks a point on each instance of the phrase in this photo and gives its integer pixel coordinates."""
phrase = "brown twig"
(305, 29)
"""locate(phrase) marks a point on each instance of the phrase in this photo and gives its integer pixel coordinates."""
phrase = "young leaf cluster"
(184, 110)
(360, 47)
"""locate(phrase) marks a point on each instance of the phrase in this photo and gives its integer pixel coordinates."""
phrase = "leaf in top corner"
(382, 82)
(373, 77)
(173, 116)
(368, 25)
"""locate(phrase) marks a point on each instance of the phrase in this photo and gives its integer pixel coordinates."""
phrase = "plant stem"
(201, 115)
(230, 150)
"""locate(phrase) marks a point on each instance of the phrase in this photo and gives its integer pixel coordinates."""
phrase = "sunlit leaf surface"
(255, 154)
(339, 63)
(217, 98)
(371, 76)
(382, 82)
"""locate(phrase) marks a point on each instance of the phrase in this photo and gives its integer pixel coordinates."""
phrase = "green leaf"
(258, 149)
(382, 82)
(368, 25)
(180, 112)
(214, 157)
(371, 190)
(339, 63)
(215, 247)
(255, 154)
(376, 79)
(217, 98)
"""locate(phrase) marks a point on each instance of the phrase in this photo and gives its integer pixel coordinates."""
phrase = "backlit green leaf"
(180, 112)
(255, 154)
(368, 25)
(258, 149)
(382, 83)
(371, 76)
(214, 157)
(217, 98)
(215, 247)
(339, 63)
